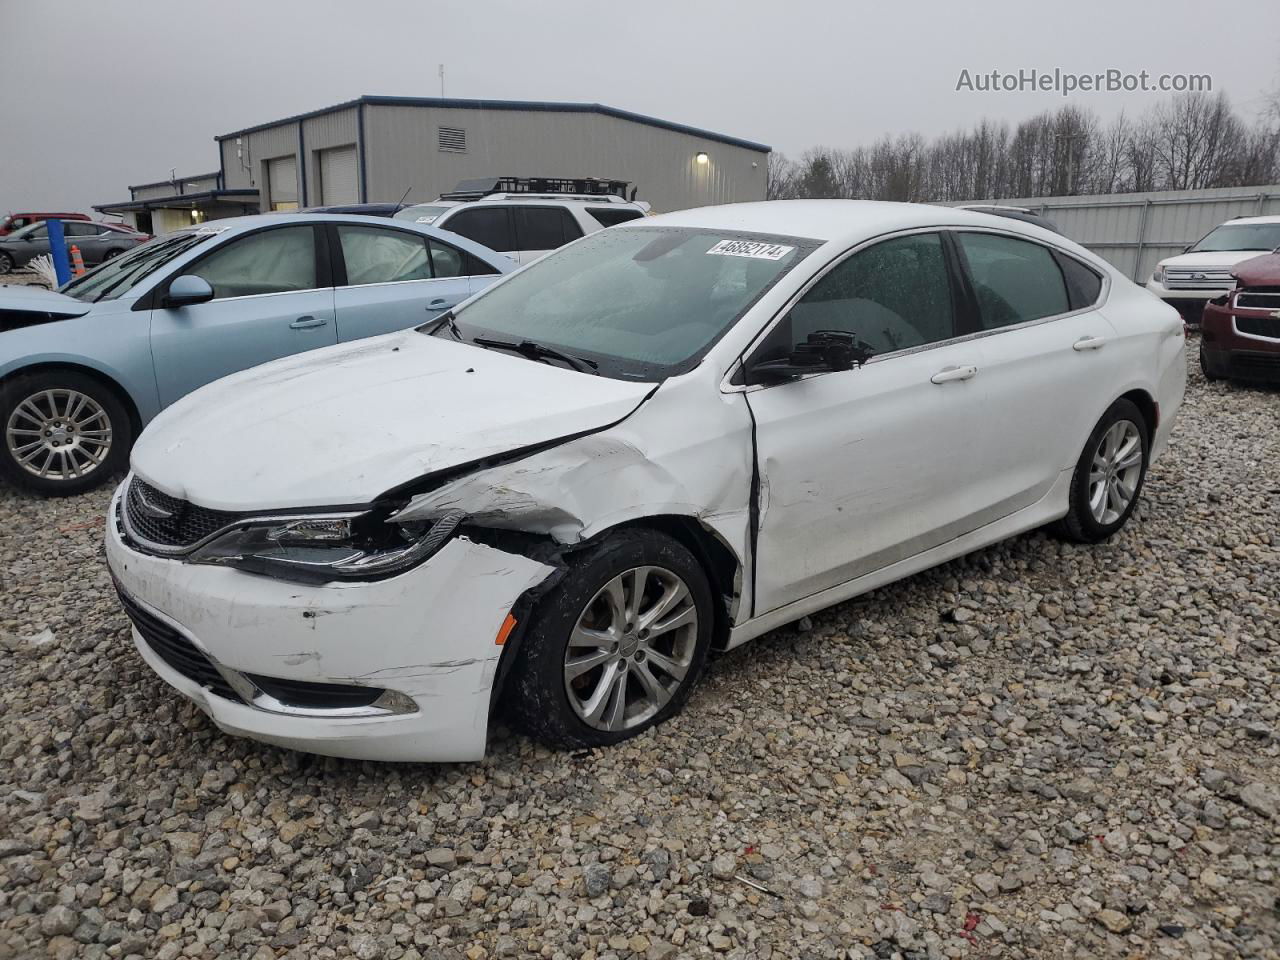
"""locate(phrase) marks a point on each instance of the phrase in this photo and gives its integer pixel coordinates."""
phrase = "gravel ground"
(1039, 750)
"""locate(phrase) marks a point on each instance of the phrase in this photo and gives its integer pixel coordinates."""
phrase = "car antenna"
(400, 202)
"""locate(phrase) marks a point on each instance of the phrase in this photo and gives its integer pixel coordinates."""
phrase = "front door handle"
(948, 374)
(306, 323)
(441, 303)
(1089, 343)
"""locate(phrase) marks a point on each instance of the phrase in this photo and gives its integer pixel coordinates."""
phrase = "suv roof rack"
(590, 187)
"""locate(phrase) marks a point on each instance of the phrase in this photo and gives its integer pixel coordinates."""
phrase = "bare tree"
(780, 177)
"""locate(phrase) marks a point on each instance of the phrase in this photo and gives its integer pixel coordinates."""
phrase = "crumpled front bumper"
(428, 635)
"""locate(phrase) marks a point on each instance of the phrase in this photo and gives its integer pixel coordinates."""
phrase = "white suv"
(526, 218)
(1203, 270)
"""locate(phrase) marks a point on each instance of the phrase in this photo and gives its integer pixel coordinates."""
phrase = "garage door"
(282, 183)
(338, 176)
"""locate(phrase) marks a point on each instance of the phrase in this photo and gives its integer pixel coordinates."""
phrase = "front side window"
(374, 255)
(282, 260)
(1014, 280)
(488, 226)
(892, 296)
(641, 302)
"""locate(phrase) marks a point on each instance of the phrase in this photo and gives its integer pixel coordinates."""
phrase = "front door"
(865, 467)
(267, 304)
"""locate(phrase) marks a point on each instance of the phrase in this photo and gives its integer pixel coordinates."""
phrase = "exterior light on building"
(702, 159)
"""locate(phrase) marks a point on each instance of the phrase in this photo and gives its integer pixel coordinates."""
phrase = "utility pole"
(442, 80)
(1069, 137)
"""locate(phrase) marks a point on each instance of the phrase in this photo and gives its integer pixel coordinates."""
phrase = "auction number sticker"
(750, 248)
(426, 220)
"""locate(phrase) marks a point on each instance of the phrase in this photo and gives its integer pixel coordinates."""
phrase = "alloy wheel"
(1115, 472)
(631, 648)
(59, 434)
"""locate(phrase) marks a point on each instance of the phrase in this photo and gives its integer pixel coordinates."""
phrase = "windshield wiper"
(536, 351)
(447, 319)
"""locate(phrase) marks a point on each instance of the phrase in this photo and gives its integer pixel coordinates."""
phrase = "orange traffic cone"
(77, 261)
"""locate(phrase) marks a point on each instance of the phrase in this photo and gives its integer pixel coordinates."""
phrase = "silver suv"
(527, 217)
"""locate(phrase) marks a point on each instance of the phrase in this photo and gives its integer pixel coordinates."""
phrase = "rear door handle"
(948, 374)
(1089, 343)
(305, 323)
(441, 303)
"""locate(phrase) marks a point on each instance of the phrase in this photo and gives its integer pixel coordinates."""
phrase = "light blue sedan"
(82, 370)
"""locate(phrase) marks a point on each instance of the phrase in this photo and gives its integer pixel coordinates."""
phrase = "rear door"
(390, 279)
(272, 298)
(1050, 362)
(88, 237)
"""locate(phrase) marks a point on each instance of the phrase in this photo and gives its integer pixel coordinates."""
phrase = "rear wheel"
(617, 644)
(1109, 475)
(64, 432)
(111, 255)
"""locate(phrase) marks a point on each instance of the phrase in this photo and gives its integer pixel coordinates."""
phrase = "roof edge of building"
(161, 183)
(520, 105)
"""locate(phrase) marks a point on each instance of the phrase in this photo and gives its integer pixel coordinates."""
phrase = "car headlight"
(320, 548)
(1158, 275)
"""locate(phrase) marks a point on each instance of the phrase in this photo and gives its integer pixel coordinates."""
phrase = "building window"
(452, 139)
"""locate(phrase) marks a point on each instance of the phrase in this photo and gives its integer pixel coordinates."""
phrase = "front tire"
(6, 264)
(1109, 475)
(1206, 369)
(616, 646)
(61, 432)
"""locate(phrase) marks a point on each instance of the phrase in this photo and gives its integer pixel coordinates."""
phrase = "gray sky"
(99, 95)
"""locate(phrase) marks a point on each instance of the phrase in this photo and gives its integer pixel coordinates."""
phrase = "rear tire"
(111, 255)
(61, 432)
(1108, 477)
(616, 646)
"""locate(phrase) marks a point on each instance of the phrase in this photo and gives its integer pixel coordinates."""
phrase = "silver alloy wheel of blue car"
(59, 434)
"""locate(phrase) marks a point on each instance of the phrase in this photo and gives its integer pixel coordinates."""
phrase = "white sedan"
(665, 439)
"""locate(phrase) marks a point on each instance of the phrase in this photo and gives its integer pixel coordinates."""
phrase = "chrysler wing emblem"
(153, 510)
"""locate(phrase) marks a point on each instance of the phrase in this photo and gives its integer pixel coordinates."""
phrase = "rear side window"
(373, 255)
(1083, 283)
(610, 216)
(1014, 280)
(544, 228)
(490, 226)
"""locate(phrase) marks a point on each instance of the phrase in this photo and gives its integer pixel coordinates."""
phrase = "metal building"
(379, 149)
(167, 205)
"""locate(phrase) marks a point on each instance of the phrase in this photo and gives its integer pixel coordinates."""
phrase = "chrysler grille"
(168, 521)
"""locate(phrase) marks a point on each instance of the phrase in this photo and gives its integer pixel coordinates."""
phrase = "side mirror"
(823, 351)
(188, 289)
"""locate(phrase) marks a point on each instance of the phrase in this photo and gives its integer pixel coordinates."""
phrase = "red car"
(1240, 332)
(16, 221)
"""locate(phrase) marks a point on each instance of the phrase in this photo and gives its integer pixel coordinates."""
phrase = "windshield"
(119, 275)
(421, 212)
(641, 303)
(1240, 236)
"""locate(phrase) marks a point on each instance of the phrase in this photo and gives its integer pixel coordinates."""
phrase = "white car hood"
(1219, 259)
(17, 296)
(341, 425)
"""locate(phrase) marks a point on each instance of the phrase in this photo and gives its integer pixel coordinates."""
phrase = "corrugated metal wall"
(402, 152)
(249, 170)
(1134, 231)
(338, 129)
